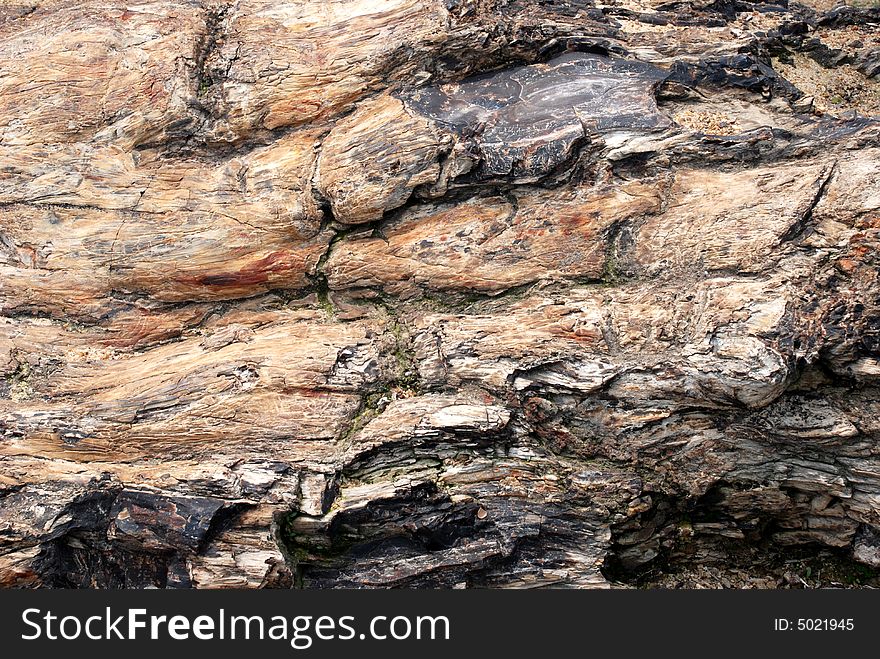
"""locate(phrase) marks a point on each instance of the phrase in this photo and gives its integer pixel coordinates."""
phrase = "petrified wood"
(460, 293)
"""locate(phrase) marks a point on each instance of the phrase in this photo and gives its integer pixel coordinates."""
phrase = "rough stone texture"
(460, 293)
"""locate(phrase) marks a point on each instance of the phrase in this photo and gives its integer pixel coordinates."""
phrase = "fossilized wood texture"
(375, 293)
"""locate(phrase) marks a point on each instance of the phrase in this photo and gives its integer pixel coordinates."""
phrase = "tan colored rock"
(103, 73)
(179, 392)
(491, 244)
(324, 56)
(729, 220)
(191, 232)
(397, 152)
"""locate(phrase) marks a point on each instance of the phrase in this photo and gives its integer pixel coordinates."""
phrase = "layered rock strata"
(459, 293)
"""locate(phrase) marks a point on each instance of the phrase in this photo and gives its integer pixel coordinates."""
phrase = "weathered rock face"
(351, 293)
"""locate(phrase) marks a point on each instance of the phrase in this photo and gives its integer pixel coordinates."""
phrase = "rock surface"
(460, 293)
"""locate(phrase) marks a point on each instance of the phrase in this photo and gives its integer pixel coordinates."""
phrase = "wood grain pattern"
(457, 293)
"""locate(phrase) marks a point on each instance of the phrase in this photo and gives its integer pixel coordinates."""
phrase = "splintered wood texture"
(462, 294)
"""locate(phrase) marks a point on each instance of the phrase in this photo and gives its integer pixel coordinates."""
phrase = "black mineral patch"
(527, 121)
